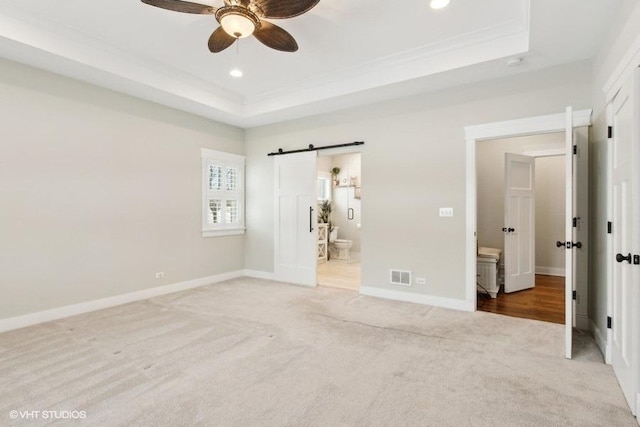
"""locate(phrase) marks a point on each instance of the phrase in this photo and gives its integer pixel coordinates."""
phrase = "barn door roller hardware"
(312, 148)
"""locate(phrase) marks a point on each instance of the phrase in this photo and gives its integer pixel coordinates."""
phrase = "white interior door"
(569, 282)
(625, 238)
(295, 218)
(519, 223)
(581, 227)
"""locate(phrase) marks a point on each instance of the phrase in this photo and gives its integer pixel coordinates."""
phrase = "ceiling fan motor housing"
(238, 21)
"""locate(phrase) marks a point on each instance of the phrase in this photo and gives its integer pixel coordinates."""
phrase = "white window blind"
(223, 193)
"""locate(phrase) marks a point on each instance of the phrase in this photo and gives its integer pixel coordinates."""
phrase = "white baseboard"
(583, 322)
(31, 319)
(601, 342)
(454, 304)
(550, 271)
(256, 274)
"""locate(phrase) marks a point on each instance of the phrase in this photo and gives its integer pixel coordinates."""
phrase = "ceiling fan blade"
(220, 40)
(278, 9)
(275, 37)
(182, 6)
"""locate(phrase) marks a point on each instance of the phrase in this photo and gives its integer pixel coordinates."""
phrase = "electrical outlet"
(159, 274)
(446, 212)
(421, 281)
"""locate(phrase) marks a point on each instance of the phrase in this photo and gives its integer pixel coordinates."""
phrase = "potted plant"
(335, 171)
(324, 216)
(325, 212)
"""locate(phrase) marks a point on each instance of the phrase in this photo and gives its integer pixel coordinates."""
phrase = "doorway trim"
(506, 129)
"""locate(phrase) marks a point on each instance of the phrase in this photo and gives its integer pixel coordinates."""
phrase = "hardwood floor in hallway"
(544, 302)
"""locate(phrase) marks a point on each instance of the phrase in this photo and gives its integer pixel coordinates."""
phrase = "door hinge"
(609, 227)
(575, 295)
(575, 222)
(609, 322)
(575, 149)
(610, 132)
(636, 260)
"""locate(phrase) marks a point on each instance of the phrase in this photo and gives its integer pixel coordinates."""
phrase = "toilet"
(341, 246)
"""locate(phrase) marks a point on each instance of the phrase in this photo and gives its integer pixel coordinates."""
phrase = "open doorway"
(339, 220)
(541, 295)
(575, 126)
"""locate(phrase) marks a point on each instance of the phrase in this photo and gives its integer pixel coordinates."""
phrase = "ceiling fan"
(242, 18)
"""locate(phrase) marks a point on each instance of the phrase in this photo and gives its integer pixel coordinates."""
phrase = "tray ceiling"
(351, 53)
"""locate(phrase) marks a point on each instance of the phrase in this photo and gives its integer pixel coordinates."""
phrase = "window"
(222, 193)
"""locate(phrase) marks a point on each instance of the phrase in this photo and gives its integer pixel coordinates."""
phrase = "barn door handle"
(622, 258)
(559, 244)
(576, 245)
(508, 230)
(310, 219)
(350, 214)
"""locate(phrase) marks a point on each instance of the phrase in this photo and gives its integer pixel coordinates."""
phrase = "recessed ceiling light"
(439, 4)
(236, 72)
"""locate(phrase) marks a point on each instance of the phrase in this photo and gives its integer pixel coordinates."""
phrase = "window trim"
(223, 159)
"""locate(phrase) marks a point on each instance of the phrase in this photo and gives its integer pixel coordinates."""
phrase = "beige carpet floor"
(256, 353)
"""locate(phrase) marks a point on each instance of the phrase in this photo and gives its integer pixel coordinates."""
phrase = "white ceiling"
(351, 52)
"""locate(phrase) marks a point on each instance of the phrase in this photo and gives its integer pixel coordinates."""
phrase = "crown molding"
(469, 49)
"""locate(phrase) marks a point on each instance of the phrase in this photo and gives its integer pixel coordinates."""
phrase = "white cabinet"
(488, 270)
(323, 242)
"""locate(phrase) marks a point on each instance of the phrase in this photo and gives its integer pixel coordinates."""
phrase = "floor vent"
(400, 277)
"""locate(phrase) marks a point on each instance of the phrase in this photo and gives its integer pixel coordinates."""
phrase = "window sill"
(219, 233)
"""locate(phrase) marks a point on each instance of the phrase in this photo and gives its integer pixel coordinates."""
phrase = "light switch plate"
(446, 212)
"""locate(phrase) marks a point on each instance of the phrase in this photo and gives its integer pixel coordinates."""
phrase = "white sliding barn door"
(625, 232)
(569, 278)
(295, 218)
(519, 223)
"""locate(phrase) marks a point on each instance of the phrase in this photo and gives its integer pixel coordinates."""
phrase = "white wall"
(622, 34)
(413, 162)
(550, 203)
(99, 192)
(550, 214)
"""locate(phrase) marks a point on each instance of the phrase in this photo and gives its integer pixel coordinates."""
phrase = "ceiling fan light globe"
(237, 25)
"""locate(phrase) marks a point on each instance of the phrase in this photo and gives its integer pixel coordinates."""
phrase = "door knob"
(569, 245)
(622, 258)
